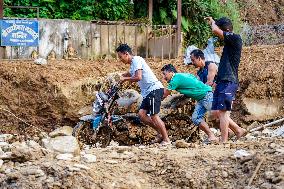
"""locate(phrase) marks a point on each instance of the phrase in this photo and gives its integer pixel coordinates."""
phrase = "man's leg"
(160, 124)
(204, 127)
(239, 132)
(147, 120)
(198, 117)
(224, 125)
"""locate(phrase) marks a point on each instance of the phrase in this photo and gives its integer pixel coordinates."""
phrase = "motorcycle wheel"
(84, 132)
(102, 136)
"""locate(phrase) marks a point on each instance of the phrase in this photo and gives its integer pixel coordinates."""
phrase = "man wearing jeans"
(152, 90)
(193, 88)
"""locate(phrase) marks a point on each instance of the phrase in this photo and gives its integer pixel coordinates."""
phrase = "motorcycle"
(98, 128)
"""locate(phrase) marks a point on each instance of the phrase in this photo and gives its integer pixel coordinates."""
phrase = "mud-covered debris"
(181, 144)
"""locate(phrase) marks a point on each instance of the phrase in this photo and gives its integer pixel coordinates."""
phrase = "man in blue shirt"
(227, 77)
(152, 90)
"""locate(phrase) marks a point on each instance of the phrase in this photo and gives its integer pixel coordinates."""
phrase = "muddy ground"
(53, 95)
(261, 12)
(37, 98)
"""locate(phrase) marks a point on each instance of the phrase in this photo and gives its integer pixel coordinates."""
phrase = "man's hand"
(210, 20)
(122, 79)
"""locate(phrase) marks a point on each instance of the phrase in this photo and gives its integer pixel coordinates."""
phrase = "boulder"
(62, 144)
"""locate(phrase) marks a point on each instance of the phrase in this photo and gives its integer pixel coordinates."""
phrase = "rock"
(272, 145)
(21, 152)
(241, 153)
(276, 180)
(267, 132)
(250, 137)
(62, 144)
(269, 175)
(33, 144)
(215, 131)
(111, 161)
(81, 166)
(225, 174)
(181, 144)
(278, 132)
(40, 61)
(281, 170)
(33, 171)
(62, 131)
(6, 155)
(5, 137)
(113, 144)
(4, 144)
(280, 150)
(219, 184)
(66, 157)
(265, 186)
(1, 163)
(89, 158)
(43, 135)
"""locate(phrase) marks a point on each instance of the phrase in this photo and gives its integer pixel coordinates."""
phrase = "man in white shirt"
(152, 90)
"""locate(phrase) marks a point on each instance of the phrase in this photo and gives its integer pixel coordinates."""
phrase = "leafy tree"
(196, 30)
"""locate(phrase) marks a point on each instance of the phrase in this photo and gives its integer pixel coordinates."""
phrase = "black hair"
(169, 68)
(224, 24)
(123, 48)
(197, 53)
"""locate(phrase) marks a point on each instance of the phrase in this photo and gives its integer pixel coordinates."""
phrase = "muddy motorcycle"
(99, 128)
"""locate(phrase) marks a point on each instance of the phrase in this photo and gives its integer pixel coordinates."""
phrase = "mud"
(262, 12)
(53, 95)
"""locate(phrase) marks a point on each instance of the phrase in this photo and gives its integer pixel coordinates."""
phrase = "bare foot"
(213, 138)
(243, 133)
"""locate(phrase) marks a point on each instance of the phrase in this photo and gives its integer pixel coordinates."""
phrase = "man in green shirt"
(191, 87)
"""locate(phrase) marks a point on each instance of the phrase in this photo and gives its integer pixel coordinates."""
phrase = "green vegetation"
(196, 30)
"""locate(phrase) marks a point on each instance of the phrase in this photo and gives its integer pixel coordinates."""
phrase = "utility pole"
(2, 49)
(178, 45)
(150, 10)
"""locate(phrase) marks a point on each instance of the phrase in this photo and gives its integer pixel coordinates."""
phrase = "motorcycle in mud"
(98, 128)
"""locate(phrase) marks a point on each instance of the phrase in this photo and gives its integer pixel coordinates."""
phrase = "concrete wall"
(91, 40)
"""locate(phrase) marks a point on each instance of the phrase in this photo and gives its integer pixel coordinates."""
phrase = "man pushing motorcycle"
(151, 88)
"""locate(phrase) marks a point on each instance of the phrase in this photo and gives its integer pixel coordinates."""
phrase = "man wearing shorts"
(227, 77)
(193, 88)
(151, 88)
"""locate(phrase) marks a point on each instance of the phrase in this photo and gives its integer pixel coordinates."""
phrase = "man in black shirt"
(227, 77)
(207, 69)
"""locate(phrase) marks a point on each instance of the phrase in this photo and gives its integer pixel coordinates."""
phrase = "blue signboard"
(19, 33)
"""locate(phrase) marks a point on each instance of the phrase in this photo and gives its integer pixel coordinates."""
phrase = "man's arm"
(166, 93)
(212, 71)
(135, 78)
(127, 74)
(215, 29)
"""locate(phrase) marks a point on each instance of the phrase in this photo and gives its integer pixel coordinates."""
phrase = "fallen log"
(267, 125)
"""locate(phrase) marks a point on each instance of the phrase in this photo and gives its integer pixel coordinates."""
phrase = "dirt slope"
(48, 96)
(261, 12)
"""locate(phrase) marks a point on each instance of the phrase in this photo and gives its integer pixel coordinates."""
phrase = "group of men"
(200, 88)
